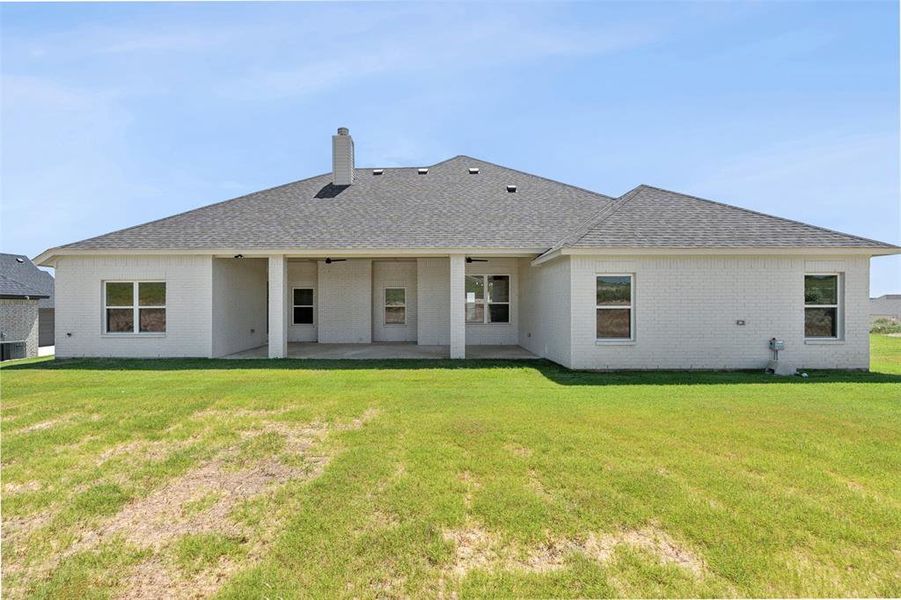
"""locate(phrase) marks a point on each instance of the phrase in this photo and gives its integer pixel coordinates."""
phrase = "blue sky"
(115, 114)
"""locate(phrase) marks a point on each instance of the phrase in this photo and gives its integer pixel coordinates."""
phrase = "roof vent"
(473, 170)
(19, 260)
(511, 188)
(378, 171)
(422, 171)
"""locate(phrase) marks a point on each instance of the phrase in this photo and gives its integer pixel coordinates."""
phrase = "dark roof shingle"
(451, 208)
(649, 217)
(446, 208)
(20, 278)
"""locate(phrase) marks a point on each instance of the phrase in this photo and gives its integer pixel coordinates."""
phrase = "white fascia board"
(48, 257)
(734, 251)
(746, 251)
(547, 257)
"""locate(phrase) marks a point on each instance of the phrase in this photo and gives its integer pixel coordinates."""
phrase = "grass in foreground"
(423, 479)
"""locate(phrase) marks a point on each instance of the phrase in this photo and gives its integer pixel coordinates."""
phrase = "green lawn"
(411, 479)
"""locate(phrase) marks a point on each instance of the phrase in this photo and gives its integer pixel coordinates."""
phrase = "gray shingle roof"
(19, 277)
(446, 208)
(649, 217)
(450, 208)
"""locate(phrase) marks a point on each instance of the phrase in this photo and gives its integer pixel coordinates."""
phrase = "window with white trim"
(615, 318)
(487, 298)
(395, 306)
(822, 306)
(134, 306)
(302, 306)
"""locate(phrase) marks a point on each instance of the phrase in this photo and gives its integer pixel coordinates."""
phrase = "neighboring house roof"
(451, 208)
(886, 305)
(446, 208)
(10, 288)
(20, 278)
(649, 217)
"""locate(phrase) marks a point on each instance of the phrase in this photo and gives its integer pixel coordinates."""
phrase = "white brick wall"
(79, 309)
(239, 304)
(302, 274)
(544, 324)
(397, 274)
(433, 301)
(687, 308)
(345, 301)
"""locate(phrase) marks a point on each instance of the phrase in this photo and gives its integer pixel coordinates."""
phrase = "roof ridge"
(187, 212)
(762, 214)
(447, 160)
(556, 181)
(596, 219)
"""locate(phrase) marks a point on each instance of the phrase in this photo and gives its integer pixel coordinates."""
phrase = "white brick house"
(465, 255)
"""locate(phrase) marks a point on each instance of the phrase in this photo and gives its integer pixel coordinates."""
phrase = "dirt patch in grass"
(40, 426)
(201, 501)
(253, 413)
(650, 539)
(162, 518)
(156, 578)
(18, 528)
(142, 450)
(476, 548)
(157, 519)
(381, 519)
(518, 450)
(546, 557)
(357, 422)
(11, 488)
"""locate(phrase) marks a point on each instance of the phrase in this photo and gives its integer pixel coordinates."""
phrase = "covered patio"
(369, 307)
(386, 350)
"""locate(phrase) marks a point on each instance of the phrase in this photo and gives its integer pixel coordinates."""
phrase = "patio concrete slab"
(381, 351)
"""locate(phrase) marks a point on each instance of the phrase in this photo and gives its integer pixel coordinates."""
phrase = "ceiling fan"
(470, 259)
(331, 260)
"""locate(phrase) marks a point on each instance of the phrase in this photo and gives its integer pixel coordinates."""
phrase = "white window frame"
(631, 308)
(313, 306)
(385, 305)
(136, 309)
(486, 317)
(838, 306)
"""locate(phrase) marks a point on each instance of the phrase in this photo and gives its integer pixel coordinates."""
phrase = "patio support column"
(278, 307)
(457, 306)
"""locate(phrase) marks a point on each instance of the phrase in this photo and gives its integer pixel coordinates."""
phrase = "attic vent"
(422, 171)
(19, 260)
(378, 171)
(511, 188)
(473, 170)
